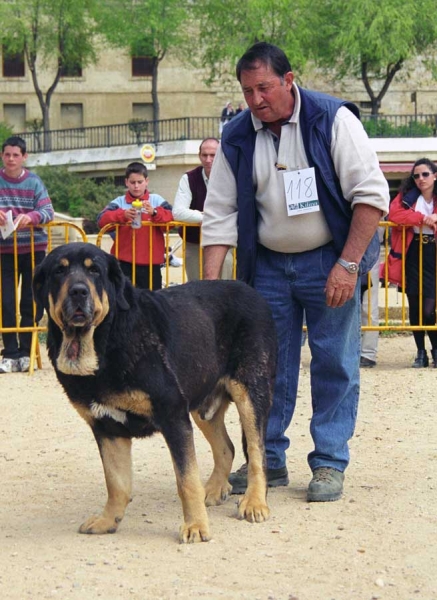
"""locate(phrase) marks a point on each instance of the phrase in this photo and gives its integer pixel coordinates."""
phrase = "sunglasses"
(425, 175)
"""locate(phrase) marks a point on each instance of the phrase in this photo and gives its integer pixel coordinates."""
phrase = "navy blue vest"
(317, 115)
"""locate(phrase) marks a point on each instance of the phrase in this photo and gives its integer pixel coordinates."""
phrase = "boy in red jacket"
(149, 241)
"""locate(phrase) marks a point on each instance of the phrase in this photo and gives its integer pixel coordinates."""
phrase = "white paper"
(9, 227)
(301, 191)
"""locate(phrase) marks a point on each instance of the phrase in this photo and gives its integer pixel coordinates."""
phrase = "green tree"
(54, 36)
(372, 39)
(75, 195)
(227, 29)
(147, 28)
(5, 132)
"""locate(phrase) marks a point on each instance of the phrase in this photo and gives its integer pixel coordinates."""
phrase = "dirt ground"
(378, 542)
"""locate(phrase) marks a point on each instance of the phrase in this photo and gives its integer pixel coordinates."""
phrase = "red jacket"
(145, 237)
(402, 213)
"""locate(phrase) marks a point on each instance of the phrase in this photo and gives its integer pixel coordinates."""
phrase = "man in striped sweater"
(24, 195)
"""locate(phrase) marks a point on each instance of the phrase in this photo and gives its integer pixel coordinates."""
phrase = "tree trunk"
(155, 100)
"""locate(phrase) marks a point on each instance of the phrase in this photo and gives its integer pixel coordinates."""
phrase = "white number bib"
(301, 191)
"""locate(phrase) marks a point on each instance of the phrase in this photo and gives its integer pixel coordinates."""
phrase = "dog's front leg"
(179, 438)
(117, 465)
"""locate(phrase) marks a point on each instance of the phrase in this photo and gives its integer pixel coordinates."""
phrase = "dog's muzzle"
(78, 306)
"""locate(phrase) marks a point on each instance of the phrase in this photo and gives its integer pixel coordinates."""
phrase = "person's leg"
(28, 318)
(156, 277)
(369, 339)
(274, 280)
(228, 265)
(126, 267)
(334, 341)
(9, 318)
(192, 261)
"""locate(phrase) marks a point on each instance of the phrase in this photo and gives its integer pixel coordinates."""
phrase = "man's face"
(136, 184)
(268, 95)
(13, 160)
(207, 154)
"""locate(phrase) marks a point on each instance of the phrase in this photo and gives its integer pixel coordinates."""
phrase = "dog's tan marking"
(64, 262)
(117, 465)
(84, 412)
(86, 363)
(195, 527)
(217, 488)
(88, 262)
(134, 401)
(253, 505)
(55, 308)
(101, 305)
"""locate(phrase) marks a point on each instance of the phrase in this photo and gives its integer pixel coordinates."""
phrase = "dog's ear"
(117, 277)
(39, 279)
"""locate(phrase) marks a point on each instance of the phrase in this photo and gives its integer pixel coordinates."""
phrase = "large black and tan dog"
(135, 362)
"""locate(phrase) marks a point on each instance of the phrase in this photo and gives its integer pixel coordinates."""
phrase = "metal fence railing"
(62, 232)
(197, 128)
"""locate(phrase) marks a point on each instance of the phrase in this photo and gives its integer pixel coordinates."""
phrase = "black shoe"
(434, 358)
(326, 485)
(421, 360)
(367, 362)
(275, 478)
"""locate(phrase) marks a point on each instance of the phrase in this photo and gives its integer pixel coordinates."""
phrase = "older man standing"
(188, 208)
(297, 188)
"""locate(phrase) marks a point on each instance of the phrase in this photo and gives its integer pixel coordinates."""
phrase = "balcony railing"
(197, 128)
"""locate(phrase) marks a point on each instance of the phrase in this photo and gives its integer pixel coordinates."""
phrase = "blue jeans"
(292, 284)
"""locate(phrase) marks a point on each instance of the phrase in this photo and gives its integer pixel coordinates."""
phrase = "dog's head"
(78, 284)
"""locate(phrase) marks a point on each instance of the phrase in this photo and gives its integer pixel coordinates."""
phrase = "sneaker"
(326, 485)
(367, 362)
(275, 478)
(24, 364)
(9, 365)
(175, 261)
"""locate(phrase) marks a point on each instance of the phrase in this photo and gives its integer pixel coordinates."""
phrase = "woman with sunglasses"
(416, 207)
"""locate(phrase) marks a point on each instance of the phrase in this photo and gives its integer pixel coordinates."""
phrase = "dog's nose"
(79, 290)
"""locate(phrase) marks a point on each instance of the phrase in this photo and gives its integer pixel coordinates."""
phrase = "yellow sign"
(148, 153)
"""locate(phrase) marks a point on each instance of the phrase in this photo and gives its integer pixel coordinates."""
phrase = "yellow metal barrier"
(55, 237)
(59, 233)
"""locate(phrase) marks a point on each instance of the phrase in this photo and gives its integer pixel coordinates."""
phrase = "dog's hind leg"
(218, 488)
(180, 441)
(253, 505)
(117, 465)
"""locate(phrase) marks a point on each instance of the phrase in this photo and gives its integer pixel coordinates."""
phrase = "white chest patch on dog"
(99, 411)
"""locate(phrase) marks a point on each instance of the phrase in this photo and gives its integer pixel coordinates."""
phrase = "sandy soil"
(377, 542)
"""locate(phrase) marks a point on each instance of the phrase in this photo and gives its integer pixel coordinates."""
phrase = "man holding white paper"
(24, 206)
(297, 188)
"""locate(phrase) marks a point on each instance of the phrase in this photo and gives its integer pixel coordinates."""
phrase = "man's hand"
(23, 221)
(340, 286)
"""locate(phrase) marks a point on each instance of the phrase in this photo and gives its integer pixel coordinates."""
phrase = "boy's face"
(136, 184)
(13, 160)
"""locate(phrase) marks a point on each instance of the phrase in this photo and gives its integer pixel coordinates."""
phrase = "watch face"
(352, 268)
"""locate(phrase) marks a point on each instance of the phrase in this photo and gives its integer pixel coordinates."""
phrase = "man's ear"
(117, 277)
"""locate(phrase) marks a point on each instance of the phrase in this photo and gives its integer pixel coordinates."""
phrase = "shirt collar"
(258, 124)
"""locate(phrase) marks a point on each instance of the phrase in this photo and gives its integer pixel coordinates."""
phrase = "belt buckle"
(425, 239)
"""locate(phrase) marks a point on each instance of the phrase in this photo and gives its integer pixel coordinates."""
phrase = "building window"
(13, 64)
(71, 116)
(15, 116)
(142, 111)
(74, 70)
(142, 66)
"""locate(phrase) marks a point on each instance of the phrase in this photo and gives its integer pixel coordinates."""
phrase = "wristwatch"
(154, 213)
(351, 267)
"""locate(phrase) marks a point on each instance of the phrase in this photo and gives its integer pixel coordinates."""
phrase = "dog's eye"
(93, 269)
(60, 270)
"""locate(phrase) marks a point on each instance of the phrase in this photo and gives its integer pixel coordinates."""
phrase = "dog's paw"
(98, 524)
(195, 532)
(254, 511)
(215, 495)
